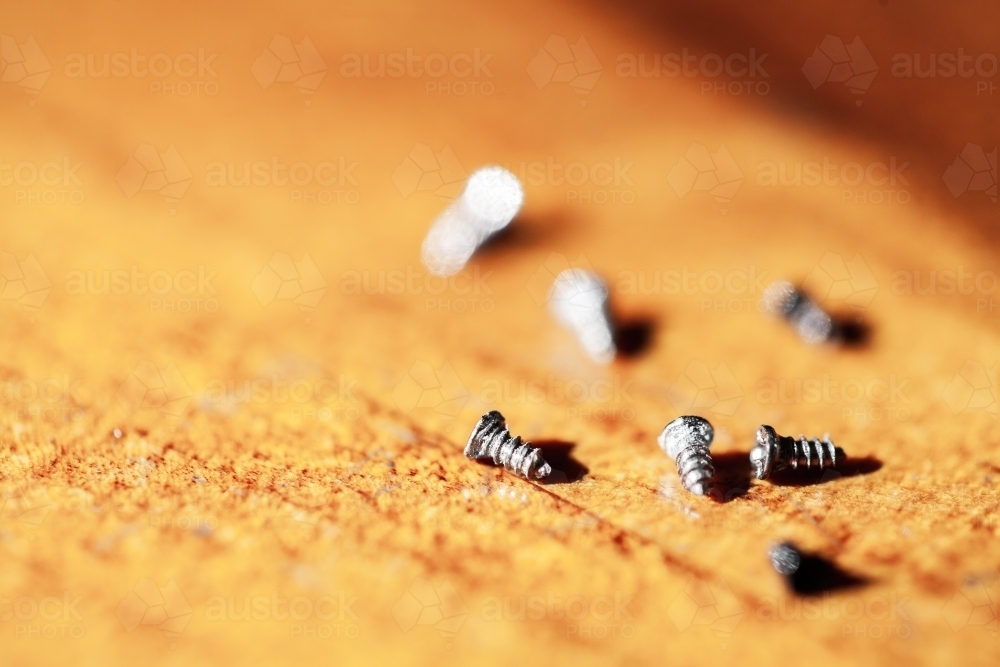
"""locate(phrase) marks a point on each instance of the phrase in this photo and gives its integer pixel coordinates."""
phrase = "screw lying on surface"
(491, 439)
(579, 301)
(491, 199)
(777, 452)
(686, 440)
(811, 322)
(785, 558)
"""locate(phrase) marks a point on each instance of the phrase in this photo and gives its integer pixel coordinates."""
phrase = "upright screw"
(785, 558)
(491, 439)
(813, 324)
(579, 301)
(491, 199)
(777, 452)
(686, 440)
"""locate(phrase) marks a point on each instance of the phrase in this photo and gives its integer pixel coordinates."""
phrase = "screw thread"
(694, 466)
(812, 323)
(491, 439)
(804, 451)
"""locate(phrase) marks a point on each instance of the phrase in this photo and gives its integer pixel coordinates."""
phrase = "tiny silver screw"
(813, 324)
(491, 439)
(686, 440)
(491, 199)
(777, 452)
(579, 301)
(785, 558)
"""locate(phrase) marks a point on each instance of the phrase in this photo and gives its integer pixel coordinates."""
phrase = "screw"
(785, 558)
(491, 439)
(811, 322)
(777, 452)
(491, 199)
(686, 440)
(579, 301)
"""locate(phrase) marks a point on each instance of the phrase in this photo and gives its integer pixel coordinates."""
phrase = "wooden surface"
(333, 497)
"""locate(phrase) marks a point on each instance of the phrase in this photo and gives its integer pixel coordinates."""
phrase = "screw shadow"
(559, 454)
(852, 332)
(524, 232)
(732, 476)
(848, 467)
(817, 575)
(634, 336)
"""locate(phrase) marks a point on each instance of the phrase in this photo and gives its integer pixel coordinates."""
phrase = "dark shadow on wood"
(847, 467)
(732, 476)
(817, 575)
(559, 455)
(634, 336)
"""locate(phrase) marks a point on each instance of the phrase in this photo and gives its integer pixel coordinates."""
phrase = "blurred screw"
(785, 558)
(810, 321)
(686, 440)
(579, 301)
(491, 199)
(777, 452)
(491, 439)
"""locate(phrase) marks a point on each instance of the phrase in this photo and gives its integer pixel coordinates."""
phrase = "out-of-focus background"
(233, 401)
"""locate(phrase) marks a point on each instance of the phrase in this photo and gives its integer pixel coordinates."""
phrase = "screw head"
(763, 454)
(684, 432)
